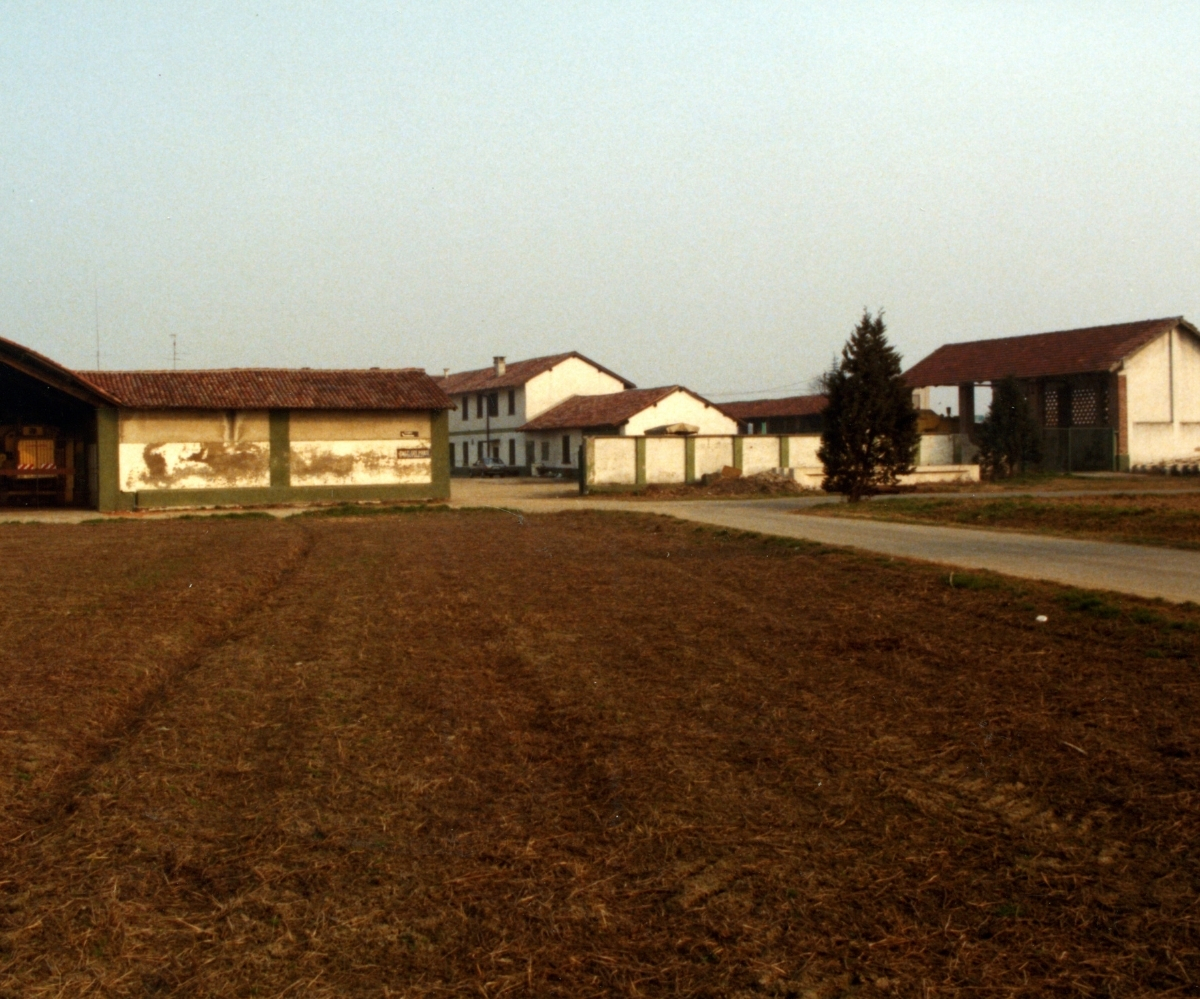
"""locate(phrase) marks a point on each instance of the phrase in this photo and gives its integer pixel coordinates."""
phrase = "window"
(453, 455)
(545, 450)
(512, 450)
(530, 452)
(466, 453)
(1087, 408)
(512, 403)
(493, 404)
(566, 449)
(466, 409)
(479, 405)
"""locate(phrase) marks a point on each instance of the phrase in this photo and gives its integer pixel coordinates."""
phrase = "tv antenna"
(174, 351)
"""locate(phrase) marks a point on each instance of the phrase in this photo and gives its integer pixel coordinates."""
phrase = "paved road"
(1172, 574)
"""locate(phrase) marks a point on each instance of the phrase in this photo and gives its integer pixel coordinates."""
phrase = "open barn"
(129, 440)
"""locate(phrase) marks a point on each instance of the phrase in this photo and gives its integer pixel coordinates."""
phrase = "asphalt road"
(1141, 570)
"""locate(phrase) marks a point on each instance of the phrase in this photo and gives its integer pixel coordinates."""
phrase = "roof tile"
(515, 374)
(599, 410)
(764, 409)
(272, 388)
(1039, 355)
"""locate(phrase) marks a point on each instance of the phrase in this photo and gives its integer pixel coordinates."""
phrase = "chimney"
(500, 366)
(445, 372)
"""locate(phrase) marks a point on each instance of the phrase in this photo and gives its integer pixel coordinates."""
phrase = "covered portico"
(49, 428)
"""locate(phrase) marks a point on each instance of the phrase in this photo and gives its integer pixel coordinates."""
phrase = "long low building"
(796, 414)
(127, 440)
(669, 410)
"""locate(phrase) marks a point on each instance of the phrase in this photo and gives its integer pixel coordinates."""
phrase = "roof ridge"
(1077, 329)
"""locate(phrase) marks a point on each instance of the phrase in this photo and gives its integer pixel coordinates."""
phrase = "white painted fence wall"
(615, 461)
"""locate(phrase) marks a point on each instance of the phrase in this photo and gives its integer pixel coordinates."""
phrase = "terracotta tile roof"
(51, 372)
(1040, 355)
(601, 410)
(763, 409)
(515, 374)
(272, 388)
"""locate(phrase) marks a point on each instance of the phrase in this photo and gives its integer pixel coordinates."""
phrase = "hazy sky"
(705, 194)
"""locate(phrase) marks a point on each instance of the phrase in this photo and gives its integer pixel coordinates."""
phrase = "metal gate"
(1079, 449)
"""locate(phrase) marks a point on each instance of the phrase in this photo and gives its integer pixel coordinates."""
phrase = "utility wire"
(760, 391)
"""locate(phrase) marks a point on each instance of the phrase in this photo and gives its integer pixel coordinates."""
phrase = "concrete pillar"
(966, 408)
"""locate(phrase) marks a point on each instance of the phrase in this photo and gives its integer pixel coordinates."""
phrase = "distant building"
(493, 404)
(127, 440)
(1123, 396)
(557, 433)
(797, 414)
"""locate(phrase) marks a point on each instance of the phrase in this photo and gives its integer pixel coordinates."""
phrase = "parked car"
(492, 468)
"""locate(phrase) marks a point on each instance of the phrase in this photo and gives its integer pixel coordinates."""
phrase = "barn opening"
(48, 437)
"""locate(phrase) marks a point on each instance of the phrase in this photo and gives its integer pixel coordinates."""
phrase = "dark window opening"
(512, 403)
(566, 459)
(466, 410)
(545, 450)
(453, 455)
(530, 453)
(493, 402)
(512, 450)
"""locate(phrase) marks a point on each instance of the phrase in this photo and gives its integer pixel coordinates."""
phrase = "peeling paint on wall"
(360, 463)
(194, 465)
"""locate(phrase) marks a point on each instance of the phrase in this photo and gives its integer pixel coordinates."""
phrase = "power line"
(759, 391)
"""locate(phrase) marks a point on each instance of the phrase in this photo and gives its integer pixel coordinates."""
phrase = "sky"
(703, 194)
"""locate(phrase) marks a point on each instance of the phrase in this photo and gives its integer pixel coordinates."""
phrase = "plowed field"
(581, 754)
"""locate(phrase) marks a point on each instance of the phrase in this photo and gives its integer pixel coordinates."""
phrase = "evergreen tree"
(1009, 436)
(870, 431)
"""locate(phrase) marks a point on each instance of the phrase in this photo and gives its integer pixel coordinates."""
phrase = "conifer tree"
(1009, 436)
(870, 431)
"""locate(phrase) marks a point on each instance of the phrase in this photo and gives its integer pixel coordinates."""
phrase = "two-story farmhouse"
(494, 404)
(1123, 396)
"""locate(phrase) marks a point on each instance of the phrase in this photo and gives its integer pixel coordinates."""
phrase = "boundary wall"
(618, 461)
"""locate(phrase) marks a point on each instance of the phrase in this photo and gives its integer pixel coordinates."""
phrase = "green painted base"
(270, 495)
(1122, 463)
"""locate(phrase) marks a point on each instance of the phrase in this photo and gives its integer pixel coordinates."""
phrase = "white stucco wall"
(680, 407)
(614, 461)
(571, 377)
(1162, 396)
(713, 454)
(802, 450)
(336, 448)
(193, 449)
(759, 454)
(665, 460)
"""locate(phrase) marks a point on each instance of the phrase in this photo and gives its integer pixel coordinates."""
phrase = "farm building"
(557, 433)
(797, 414)
(125, 440)
(495, 403)
(1122, 396)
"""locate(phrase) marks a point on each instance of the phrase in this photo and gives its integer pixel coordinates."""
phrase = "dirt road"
(1137, 570)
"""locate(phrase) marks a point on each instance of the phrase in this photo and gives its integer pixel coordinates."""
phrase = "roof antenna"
(96, 302)
(174, 351)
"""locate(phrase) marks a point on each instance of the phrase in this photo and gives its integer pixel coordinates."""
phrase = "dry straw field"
(585, 754)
